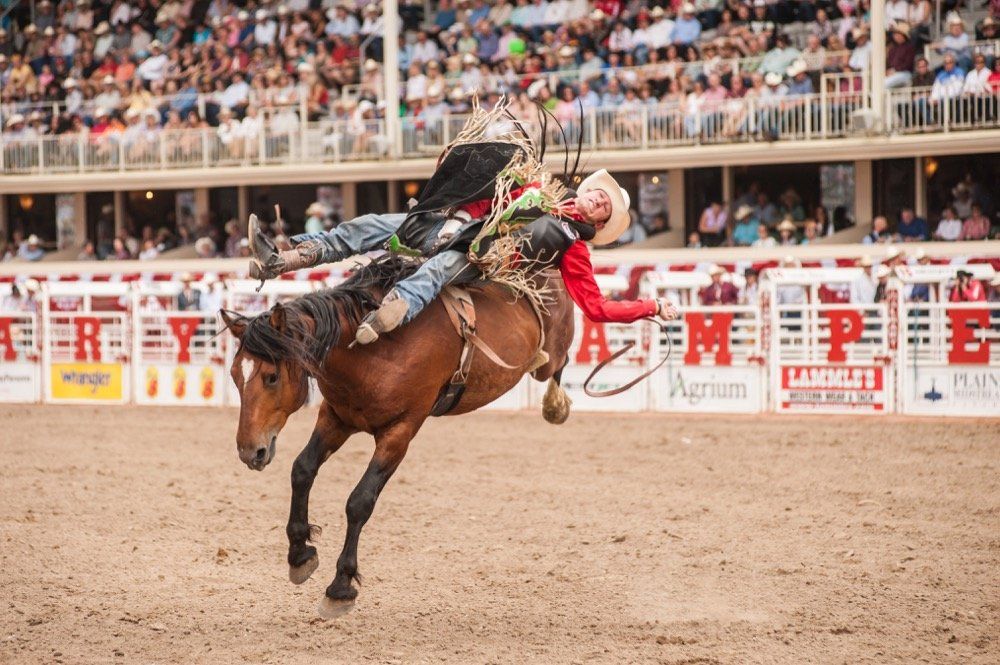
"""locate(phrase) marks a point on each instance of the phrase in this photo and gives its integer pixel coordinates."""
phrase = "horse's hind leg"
(556, 403)
(390, 448)
(327, 437)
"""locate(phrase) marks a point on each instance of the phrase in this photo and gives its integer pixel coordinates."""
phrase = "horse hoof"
(331, 609)
(299, 574)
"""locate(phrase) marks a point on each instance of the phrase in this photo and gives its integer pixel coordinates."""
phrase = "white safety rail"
(919, 110)
(86, 354)
(828, 358)
(20, 354)
(177, 356)
(716, 359)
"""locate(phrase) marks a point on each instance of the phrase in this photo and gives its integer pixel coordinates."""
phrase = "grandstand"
(206, 111)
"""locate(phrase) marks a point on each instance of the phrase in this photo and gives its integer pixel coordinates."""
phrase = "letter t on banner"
(841, 334)
(711, 336)
(962, 334)
(184, 329)
(88, 328)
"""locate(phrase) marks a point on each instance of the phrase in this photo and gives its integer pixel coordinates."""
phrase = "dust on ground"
(134, 535)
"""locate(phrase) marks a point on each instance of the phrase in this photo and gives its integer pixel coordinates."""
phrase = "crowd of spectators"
(131, 70)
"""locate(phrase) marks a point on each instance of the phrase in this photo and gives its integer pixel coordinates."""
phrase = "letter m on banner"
(713, 335)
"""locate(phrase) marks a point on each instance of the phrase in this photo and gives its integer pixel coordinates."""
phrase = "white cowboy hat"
(772, 78)
(567, 51)
(620, 203)
(656, 12)
(865, 261)
(743, 212)
(716, 269)
(954, 18)
(370, 65)
(260, 15)
(882, 271)
(536, 88)
(920, 254)
(892, 252)
(31, 284)
(469, 59)
(787, 225)
(316, 208)
(15, 119)
(790, 262)
(33, 239)
(687, 8)
(797, 68)
(996, 280)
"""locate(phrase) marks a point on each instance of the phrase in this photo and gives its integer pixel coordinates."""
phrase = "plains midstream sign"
(966, 390)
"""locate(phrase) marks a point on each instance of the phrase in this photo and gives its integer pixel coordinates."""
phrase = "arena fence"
(797, 344)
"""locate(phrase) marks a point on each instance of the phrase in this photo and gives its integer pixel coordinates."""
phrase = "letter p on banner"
(714, 335)
(845, 327)
(962, 334)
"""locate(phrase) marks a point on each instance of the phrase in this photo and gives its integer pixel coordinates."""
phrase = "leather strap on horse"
(618, 354)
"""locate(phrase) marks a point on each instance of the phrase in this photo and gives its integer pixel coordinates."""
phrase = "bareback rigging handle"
(618, 354)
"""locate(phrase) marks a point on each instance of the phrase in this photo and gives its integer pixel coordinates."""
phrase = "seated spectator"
(899, 59)
(879, 233)
(977, 81)
(910, 227)
(687, 29)
(87, 252)
(949, 81)
(956, 42)
(745, 231)
(119, 250)
(810, 232)
(719, 292)
(694, 240)
(30, 249)
(949, 227)
(712, 224)
(976, 226)
(786, 233)
(967, 289)
(764, 238)
(881, 282)
(149, 250)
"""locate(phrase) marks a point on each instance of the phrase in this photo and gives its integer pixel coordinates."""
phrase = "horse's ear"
(236, 323)
(278, 317)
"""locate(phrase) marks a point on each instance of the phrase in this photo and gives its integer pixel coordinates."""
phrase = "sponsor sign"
(832, 388)
(19, 382)
(955, 390)
(184, 384)
(708, 389)
(99, 382)
(635, 398)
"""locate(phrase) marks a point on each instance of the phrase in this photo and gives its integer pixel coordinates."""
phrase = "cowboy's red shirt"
(578, 275)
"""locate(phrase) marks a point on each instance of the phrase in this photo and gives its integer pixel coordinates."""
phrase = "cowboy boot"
(268, 262)
(387, 317)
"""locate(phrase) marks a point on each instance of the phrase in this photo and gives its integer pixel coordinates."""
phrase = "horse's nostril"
(261, 454)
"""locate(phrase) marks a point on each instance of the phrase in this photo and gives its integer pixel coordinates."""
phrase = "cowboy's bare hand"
(666, 310)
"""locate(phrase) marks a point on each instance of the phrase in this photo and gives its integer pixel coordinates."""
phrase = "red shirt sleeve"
(578, 275)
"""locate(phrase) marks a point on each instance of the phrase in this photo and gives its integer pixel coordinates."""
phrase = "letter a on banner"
(962, 334)
(7, 339)
(184, 329)
(593, 335)
(714, 335)
(87, 330)
(841, 334)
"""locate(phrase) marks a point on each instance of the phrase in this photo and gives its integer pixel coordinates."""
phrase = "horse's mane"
(312, 322)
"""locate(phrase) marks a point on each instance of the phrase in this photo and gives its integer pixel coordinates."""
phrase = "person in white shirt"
(764, 238)
(660, 29)
(341, 22)
(424, 49)
(862, 289)
(896, 11)
(950, 226)
(237, 93)
(372, 24)
(620, 39)
(152, 68)
(109, 97)
(557, 13)
(976, 80)
(862, 52)
(265, 32)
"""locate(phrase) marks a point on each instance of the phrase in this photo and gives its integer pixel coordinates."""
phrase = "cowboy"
(598, 212)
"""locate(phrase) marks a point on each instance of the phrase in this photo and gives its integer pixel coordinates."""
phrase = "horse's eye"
(270, 379)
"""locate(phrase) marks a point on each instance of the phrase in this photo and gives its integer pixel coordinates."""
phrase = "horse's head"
(272, 386)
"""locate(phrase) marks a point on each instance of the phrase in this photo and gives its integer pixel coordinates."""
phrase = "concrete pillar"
(243, 203)
(119, 203)
(728, 185)
(863, 192)
(675, 208)
(877, 63)
(919, 188)
(390, 74)
(4, 223)
(392, 194)
(349, 198)
(201, 203)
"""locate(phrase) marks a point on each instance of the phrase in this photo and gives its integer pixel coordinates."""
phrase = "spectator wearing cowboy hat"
(900, 58)
(189, 299)
(745, 230)
(882, 274)
(687, 28)
(30, 249)
(786, 233)
(720, 291)
(315, 214)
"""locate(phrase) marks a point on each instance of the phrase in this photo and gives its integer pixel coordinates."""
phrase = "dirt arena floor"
(135, 535)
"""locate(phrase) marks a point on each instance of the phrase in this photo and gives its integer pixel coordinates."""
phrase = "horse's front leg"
(327, 437)
(390, 448)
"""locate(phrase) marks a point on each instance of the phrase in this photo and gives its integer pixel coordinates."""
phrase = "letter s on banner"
(184, 329)
(593, 335)
(7, 339)
(87, 330)
(711, 336)
(962, 334)
(841, 334)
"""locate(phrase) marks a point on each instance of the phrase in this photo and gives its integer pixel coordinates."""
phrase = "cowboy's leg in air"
(359, 235)
(411, 295)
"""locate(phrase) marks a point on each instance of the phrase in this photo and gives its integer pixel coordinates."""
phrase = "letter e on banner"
(841, 334)
(714, 335)
(87, 330)
(593, 335)
(184, 329)
(7, 339)
(962, 334)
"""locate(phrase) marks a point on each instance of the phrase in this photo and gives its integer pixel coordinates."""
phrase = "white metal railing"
(919, 110)
(928, 330)
(987, 47)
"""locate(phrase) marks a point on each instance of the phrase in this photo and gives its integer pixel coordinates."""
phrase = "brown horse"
(386, 389)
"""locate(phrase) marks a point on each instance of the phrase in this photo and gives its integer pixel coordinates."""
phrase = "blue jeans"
(371, 232)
